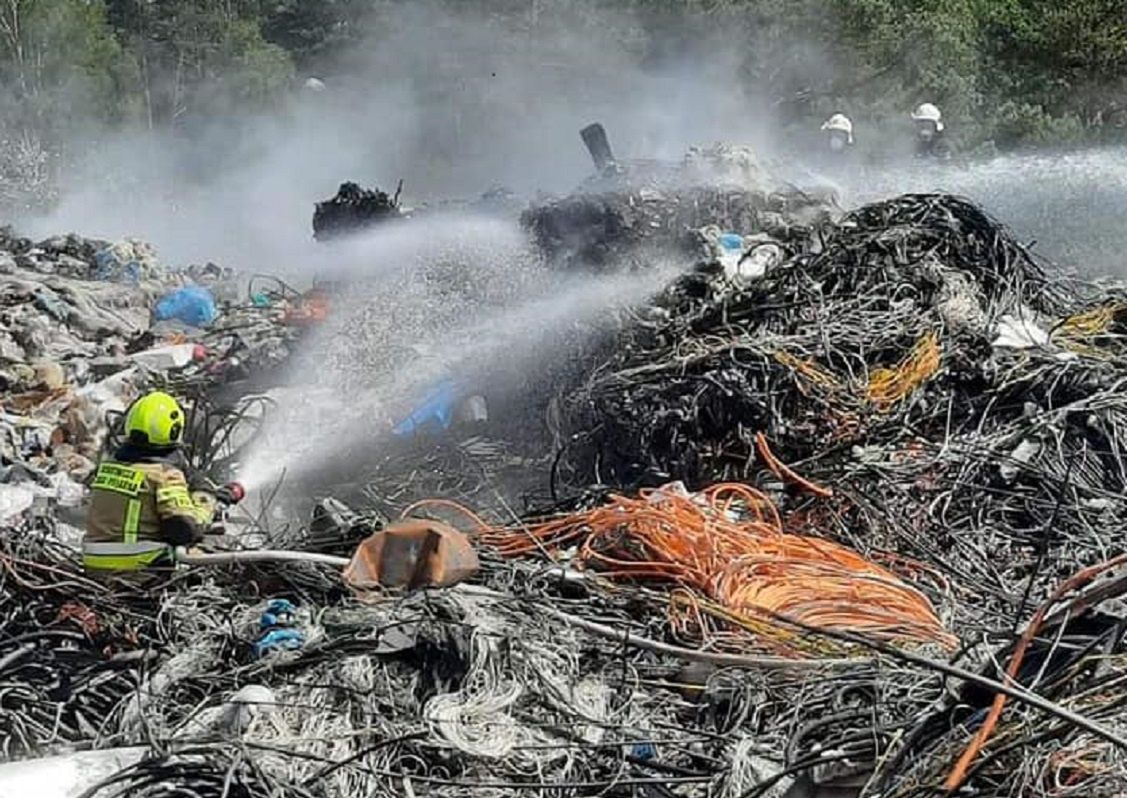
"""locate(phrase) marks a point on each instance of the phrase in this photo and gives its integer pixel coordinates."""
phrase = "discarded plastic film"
(192, 305)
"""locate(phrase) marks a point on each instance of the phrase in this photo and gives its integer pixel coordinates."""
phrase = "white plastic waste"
(14, 499)
(1020, 457)
(67, 492)
(245, 705)
(1019, 333)
(474, 409)
(163, 358)
(113, 393)
(64, 776)
(757, 262)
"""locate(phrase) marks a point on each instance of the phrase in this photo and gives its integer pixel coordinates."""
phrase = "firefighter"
(140, 503)
(839, 133)
(931, 142)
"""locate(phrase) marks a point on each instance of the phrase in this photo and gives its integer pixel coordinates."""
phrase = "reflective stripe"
(141, 547)
(119, 479)
(123, 556)
(203, 508)
(132, 520)
(176, 495)
(106, 562)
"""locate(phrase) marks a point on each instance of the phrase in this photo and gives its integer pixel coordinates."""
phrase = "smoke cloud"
(452, 103)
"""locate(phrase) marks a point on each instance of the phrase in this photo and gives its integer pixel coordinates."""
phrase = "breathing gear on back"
(155, 420)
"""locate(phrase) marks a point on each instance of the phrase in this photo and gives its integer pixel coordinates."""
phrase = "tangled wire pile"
(947, 425)
(816, 353)
(965, 406)
(442, 693)
(726, 547)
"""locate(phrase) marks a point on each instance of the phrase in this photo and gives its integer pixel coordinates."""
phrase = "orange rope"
(959, 773)
(727, 545)
(889, 386)
(784, 472)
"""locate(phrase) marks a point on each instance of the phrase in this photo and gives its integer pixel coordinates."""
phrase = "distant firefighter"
(839, 133)
(931, 141)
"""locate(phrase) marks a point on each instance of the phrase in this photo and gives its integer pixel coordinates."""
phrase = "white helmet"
(841, 124)
(926, 112)
(314, 84)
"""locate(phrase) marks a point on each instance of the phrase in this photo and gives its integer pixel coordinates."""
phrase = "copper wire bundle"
(726, 545)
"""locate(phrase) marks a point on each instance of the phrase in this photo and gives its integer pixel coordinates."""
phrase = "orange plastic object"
(411, 554)
(311, 308)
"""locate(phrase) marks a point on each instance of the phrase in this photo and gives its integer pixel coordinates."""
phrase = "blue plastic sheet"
(192, 305)
(277, 633)
(436, 409)
(279, 640)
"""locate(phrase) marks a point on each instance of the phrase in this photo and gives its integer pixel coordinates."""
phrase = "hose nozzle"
(231, 493)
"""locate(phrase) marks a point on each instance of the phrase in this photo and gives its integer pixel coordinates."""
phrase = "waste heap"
(353, 209)
(944, 398)
(633, 213)
(915, 581)
(86, 325)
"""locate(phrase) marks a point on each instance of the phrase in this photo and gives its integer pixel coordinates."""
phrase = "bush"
(1021, 124)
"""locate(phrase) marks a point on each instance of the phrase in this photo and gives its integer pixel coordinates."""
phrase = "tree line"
(1012, 72)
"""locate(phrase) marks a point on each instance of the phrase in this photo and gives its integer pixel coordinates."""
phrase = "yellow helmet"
(155, 420)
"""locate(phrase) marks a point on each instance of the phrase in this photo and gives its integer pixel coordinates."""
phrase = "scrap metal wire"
(727, 545)
(982, 476)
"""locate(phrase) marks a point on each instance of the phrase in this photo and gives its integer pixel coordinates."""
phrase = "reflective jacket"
(140, 509)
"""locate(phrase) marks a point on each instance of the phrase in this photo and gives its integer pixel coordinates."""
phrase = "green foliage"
(257, 70)
(59, 60)
(200, 57)
(1016, 72)
(1070, 59)
(1019, 124)
(312, 32)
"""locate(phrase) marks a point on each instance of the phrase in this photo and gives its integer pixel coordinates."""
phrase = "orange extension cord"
(1078, 580)
(726, 545)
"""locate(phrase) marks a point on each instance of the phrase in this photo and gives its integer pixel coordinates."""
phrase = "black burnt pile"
(353, 209)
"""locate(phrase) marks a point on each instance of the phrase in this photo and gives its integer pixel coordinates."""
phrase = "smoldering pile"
(917, 402)
(353, 209)
(636, 212)
(945, 398)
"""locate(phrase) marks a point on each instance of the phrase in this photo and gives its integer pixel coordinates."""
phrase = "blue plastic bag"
(279, 640)
(731, 241)
(437, 407)
(192, 305)
(276, 632)
(279, 612)
(646, 751)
